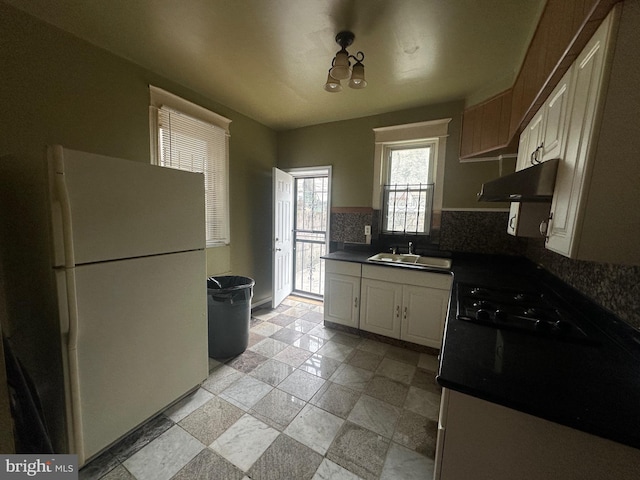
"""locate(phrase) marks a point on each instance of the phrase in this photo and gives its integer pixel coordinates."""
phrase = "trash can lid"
(230, 282)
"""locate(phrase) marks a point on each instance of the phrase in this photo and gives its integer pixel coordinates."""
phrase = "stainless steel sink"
(411, 260)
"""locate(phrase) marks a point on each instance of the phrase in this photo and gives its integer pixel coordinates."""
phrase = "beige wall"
(349, 146)
(55, 88)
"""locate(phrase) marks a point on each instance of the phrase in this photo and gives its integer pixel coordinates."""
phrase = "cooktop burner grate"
(528, 312)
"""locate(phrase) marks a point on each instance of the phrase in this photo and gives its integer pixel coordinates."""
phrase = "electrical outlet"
(367, 229)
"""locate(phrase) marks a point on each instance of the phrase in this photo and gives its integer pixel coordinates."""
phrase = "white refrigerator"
(104, 273)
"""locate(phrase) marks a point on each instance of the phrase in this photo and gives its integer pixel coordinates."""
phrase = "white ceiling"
(268, 59)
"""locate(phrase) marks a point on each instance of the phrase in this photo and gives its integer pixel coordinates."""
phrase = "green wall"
(55, 88)
(349, 147)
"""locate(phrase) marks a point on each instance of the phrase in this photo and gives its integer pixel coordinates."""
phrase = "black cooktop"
(519, 310)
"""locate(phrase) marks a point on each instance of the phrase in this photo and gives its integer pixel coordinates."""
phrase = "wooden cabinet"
(595, 214)
(484, 441)
(491, 128)
(485, 127)
(342, 293)
(406, 304)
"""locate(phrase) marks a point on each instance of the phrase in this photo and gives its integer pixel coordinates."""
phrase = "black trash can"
(229, 314)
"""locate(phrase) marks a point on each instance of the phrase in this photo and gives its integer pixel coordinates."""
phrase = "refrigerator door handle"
(62, 194)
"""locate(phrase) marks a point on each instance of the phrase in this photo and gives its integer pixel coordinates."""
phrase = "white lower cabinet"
(342, 293)
(406, 304)
(485, 441)
(423, 313)
(398, 303)
(381, 303)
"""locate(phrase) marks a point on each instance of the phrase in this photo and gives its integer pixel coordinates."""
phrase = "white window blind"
(187, 143)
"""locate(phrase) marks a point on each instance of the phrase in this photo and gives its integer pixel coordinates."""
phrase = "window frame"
(388, 150)
(433, 131)
(159, 98)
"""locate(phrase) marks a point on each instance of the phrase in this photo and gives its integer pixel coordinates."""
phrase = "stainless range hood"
(533, 184)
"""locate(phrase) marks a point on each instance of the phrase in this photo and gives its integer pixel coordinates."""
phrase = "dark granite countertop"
(361, 256)
(591, 387)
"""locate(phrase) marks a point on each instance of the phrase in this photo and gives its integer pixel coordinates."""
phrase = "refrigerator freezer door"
(107, 208)
(142, 342)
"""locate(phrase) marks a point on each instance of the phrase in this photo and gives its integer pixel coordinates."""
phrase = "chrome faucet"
(393, 250)
(410, 248)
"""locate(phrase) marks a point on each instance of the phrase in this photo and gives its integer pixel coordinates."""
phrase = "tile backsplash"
(477, 231)
(347, 224)
(615, 287)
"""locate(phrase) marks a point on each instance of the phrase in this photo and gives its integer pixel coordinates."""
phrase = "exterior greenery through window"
(408, 190)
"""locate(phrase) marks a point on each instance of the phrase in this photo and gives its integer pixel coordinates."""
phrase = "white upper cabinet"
(595, 214)
(555, 111)
(570, 180)
(541, 140)
(590, 122)
(535, 141)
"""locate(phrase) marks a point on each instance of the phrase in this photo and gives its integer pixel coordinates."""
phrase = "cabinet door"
(341, 297)
(423, 313)
(521, 163)
(535, 141)
(554, 126)
(381, 307)
(572, 170)
(499, 443)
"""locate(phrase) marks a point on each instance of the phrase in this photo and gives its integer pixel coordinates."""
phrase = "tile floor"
(302, 402)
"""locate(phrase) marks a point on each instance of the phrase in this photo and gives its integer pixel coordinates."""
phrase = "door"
(522, 162)
(310, 229)
(423, 313)
(141, 342)
(341, 294)
(96, 199)
(380, 307)
(282, 263)
(556, 110)
(573, 169)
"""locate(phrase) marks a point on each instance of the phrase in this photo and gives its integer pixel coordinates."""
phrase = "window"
(188, 137)
(409, 175)
(408, 189)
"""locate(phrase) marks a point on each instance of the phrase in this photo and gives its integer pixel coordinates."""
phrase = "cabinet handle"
(355, 302)
(547, 227)
(535, 155)
(397, 311)
(544, 227)
(511, 220)
(405, 313)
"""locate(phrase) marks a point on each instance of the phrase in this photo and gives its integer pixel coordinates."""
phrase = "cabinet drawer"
(342, 268)
(408, 276)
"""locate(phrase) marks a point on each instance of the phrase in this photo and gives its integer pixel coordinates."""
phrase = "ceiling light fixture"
(341, 66)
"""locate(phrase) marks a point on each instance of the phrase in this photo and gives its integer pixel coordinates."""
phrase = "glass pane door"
(310, 233)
